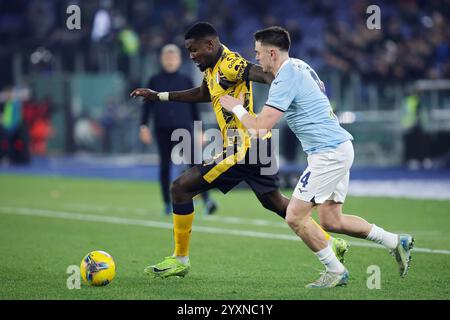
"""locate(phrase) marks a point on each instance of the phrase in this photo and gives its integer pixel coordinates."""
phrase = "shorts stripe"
(224, 165)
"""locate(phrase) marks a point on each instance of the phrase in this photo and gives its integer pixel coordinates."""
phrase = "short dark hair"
(276, 36)
(200, 30)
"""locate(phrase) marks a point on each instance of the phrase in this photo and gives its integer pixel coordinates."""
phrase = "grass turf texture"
(36, 250)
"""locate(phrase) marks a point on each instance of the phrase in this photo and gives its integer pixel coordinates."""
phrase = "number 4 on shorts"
(305, 178)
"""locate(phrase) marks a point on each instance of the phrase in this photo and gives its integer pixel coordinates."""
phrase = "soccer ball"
(98, 268)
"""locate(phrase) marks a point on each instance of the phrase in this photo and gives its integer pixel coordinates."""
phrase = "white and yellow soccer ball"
(98, 268)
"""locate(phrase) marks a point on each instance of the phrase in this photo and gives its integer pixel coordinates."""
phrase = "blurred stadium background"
(65, 107)
(389, 87)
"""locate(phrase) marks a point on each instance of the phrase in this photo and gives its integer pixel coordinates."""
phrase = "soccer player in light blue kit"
(299, 94)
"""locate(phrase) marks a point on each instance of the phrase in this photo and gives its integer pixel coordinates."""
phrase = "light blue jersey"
(299, 93)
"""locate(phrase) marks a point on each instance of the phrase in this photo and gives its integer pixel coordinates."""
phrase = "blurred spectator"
(129, 41)
(14, 142)
(415, 140)
(101, 37)
(101, 26)
(129, 47)
(37, 118)
(108, 121)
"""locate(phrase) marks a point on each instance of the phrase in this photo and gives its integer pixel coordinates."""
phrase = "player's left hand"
(228, 102)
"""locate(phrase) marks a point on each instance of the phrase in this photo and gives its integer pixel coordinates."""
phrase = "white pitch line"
(164, 225)
(146, 212)
(96, 208)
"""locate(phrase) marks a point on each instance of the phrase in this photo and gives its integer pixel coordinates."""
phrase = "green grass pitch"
(242, 252)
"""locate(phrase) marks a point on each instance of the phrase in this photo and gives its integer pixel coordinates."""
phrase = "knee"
(292, 218)
(176, 189)
(275, 204)
(270, 205)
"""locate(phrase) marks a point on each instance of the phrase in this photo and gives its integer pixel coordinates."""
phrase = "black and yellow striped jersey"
(229, 76)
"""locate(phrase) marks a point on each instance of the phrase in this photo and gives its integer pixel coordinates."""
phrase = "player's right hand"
(147, 94)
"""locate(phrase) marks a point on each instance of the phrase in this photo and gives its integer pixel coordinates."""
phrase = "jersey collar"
(284, 63)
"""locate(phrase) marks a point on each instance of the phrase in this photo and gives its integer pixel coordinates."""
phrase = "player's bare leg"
(276, 202)
(188, 185)
(333, 220)
(298, 217)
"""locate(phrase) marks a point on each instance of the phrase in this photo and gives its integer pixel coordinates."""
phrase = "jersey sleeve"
(235, 68)
(281, 93)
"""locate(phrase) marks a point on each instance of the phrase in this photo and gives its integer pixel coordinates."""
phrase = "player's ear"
(210, 44)
(272, 53)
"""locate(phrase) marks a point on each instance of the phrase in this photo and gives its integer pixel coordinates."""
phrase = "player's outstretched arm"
(257, 74)
(198, 94)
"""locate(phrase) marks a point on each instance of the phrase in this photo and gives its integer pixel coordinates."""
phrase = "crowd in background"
(413, 42)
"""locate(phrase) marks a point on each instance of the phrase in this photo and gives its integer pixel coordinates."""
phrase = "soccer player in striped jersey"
(225, 73)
